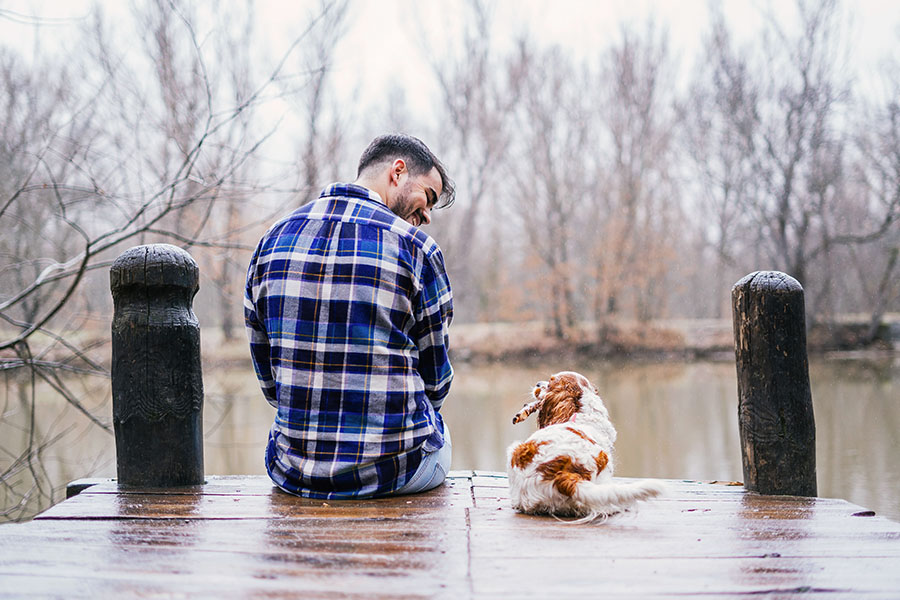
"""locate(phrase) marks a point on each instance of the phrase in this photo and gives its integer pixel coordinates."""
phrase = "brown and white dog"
(565, 468)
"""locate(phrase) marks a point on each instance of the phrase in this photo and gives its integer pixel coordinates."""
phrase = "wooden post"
(775, 410)
(156, 380)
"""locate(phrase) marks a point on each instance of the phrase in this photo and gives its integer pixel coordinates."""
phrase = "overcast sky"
(387, 41)
(382, 30)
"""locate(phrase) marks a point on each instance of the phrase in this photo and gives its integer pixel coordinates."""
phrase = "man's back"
(347, 306)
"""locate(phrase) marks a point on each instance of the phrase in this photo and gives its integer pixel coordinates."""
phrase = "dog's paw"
(526, 410)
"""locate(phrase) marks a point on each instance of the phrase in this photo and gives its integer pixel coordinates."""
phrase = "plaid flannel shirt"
(347, 308)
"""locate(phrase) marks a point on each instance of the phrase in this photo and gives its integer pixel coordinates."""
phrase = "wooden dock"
(237, 537)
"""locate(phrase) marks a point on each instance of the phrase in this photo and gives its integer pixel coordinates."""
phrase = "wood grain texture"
(157, 384)
(775, 409)
(238, 537)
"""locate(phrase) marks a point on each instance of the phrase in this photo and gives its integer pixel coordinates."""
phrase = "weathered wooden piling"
(775, 410)
(156, 378)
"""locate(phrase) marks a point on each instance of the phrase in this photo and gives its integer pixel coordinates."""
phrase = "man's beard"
(403, 207)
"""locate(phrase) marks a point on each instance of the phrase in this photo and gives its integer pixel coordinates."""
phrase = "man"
(347, 306)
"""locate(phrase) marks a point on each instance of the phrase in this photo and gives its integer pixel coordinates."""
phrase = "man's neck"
(370, 184)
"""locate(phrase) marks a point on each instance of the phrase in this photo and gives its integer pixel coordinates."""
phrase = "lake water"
(675, 420)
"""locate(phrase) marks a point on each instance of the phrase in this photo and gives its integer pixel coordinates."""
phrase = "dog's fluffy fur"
(565, 468)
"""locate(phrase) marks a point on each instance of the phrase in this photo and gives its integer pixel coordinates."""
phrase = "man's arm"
(259, 344)
(434, 311)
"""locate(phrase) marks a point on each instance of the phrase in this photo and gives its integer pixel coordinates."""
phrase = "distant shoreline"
(659, 340)
(672, 340)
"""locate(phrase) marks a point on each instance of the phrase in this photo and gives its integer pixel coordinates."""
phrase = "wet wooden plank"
(610, 576)
(358, 535)
(244, 578)
(664, 535)
(275, 505)
(700, 539)
(207, 548)
(750, 511)
(240, 537)
(155, 506)
(226, 485)
(224, 585)
(239, 543)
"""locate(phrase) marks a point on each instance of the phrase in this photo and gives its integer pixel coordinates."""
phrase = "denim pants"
(432, 470)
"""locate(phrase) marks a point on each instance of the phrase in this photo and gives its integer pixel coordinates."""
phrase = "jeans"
(432, 470)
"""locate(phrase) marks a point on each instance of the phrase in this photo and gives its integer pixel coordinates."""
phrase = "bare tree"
(154, 143)
(874, 240)
(323, 132)
(473, 136)
(784, 111)
(551, 172)
(638, 208)
(715, 123)
(770, 138)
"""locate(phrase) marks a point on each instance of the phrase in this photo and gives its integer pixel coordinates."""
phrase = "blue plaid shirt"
(347, 308)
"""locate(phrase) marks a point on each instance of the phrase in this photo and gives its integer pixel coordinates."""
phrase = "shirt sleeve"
(434, 311)
(260, 352)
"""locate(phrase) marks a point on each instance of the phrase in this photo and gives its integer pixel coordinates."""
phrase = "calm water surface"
(674, 421)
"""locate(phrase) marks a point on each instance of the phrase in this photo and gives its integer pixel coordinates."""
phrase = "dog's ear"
(562, 400)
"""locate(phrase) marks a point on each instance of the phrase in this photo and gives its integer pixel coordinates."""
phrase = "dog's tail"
(604, 499)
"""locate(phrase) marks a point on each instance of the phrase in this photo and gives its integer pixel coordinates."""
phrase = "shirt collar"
(351, 190)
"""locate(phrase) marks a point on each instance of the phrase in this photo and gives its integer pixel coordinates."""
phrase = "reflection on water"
(674, 421)
(667, 426)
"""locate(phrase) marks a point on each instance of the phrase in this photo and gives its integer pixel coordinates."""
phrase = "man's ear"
(398, 167)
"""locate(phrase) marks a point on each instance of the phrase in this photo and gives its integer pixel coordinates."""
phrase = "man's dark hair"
(419, 160)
